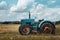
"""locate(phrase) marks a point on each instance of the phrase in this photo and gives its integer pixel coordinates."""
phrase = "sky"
(15, 10)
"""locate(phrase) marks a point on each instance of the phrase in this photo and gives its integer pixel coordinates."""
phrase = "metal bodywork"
(27, 21)
(31, 22)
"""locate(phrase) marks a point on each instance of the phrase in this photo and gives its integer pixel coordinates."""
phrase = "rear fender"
(44, 22)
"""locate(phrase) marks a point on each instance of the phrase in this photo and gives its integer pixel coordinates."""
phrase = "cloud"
(3, 5)
(22, 5)
(20, 11)
(24, 15)
(42, 11)
(52, 1)
(5, 15)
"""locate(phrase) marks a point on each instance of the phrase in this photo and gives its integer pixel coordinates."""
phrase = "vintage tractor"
(43, 26)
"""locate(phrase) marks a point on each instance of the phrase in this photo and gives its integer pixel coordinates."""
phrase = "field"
(10, 32)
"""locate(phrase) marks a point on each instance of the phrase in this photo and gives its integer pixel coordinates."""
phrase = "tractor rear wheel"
(24, 30)
(47, 28)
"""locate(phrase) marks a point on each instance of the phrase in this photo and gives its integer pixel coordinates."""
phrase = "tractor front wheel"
(24, 30)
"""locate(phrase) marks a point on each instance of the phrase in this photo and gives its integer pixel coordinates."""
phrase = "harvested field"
(10, 32)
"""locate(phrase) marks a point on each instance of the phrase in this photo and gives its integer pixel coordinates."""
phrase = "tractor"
(42, 26)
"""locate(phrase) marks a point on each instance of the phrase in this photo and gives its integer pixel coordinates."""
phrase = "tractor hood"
(27, 20)
(24, 21)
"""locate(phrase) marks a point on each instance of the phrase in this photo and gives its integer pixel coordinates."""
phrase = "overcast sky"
(15, 10)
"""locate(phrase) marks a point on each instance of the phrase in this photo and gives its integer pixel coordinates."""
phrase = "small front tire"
(24, 30)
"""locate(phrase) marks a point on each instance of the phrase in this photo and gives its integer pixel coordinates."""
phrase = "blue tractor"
(43, 26)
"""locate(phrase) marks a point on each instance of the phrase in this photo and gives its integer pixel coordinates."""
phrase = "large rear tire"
(24, 30)
(47, 28)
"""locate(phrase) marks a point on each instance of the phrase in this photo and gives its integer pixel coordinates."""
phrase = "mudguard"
(40, 23)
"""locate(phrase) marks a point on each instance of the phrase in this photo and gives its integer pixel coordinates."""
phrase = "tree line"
(18, 22)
